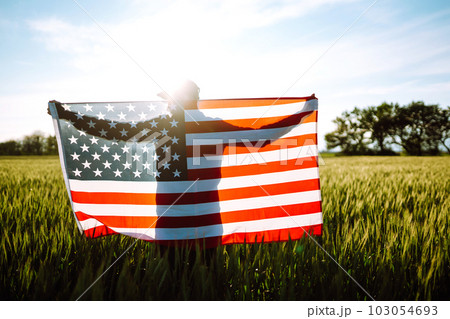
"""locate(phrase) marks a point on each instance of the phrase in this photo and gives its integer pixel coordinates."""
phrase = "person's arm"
(101, 128)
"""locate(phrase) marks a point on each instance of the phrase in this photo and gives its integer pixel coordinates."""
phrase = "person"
(186, 96)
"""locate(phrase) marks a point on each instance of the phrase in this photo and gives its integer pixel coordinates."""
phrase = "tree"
(442, 127)
(350, 135)
(10, 148)
(50, 145)
(378, 121)
(33, 144)
(416, 128)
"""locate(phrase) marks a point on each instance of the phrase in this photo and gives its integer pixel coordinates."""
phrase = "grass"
(386, 221)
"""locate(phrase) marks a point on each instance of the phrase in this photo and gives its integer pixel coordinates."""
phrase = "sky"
(348, 52)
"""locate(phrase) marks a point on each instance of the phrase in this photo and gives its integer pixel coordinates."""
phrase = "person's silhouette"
(202, 215)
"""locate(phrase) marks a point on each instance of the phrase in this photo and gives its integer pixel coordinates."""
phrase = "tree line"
(416, 129)
(35, 144)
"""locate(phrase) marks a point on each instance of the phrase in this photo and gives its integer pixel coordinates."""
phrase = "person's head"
(186, 92)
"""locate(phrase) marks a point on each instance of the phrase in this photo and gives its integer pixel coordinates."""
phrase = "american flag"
(217, 171)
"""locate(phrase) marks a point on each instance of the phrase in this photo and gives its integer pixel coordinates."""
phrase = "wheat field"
(386, 222)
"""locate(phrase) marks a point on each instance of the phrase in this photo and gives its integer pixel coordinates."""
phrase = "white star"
(114, 141)
(137, 174)
(125, 149)
(155, 157)
(82, 132)
(86, 164)
(173, 123)
(77, 172)
(105, 148)
(176, 173)
(147, 165)
(153, 139)
(118, 173)
(156, 174)
(121, 116)
(164, 132)
(130, 107)
(134, 139)
(133, 124)
(165, 148)
(69, 123)
(103, 132)
(112, 124)
(96, 156)
(66, 107)
(151, 107)
(142, 115)
(109, 107)
(135, 157)
(98, 172)
(164, 115)
(85, 148)
(144, 132)
(73, 140)
(93, 140)
(107, 164)
(79, 116)
(153, 123)
(123, 132)
(88, 107)
(101, 116)
(175, 140)
(175, 157)
(116, 157)
(91, 124)
(75, 156)
(145, 149)
(166, 165)
(126, 165)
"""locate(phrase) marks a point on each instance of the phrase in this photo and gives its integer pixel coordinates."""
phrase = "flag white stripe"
(237, 113)
(222, 229)
(250, 135)
(198, 209)
(163, 187)
(90, 223)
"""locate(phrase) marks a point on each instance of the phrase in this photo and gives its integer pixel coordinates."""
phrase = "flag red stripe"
(236, 238)
(237, 103)
(98, 231)
(192, 198)
(272, 235)
(249, 124)
(241, 148)
(204, 220)
(252, 169)
(249, 238)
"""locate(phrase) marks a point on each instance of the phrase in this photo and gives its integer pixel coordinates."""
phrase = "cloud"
(185, 39)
